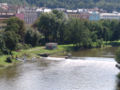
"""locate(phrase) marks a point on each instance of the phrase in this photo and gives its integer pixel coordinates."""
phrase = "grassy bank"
(33, 52)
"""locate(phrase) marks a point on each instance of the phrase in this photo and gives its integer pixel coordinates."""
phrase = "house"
(30, 15)
(4, 16)
(110, 16)
(94, 16)
(80, 13)
(51, 46)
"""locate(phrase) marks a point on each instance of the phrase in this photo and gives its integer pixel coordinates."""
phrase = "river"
(92, 69)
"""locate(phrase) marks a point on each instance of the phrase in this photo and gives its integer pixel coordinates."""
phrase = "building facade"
(29, 15)
(110, 16)
(81, 15)
(94, 16)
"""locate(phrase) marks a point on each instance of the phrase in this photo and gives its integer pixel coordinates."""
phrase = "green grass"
(39, 50)
(112, 43)
(33, 52)
(5, 64)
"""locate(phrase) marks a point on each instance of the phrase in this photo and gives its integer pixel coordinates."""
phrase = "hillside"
(71, 4)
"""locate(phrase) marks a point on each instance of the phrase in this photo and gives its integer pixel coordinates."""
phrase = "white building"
(29, 14)
(47, 10)
(110, 16)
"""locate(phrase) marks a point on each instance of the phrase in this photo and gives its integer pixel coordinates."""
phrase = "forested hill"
(105, 4)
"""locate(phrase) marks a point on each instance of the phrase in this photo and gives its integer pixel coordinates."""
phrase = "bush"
(9, 60)
(99, 43)
(19, 46)
(117, 57)
(33, 37)
(6, 51)
(11, 39)
(1, 53)
(27, 46)
(22, 46)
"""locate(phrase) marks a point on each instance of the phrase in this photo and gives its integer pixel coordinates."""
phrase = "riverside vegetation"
(71, 33)
(109, 5)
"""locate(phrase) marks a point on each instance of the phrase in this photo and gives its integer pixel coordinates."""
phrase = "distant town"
(30, 14)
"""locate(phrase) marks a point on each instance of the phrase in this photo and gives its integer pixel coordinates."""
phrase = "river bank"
(34, 52)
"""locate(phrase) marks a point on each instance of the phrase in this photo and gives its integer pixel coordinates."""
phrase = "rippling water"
(80, 73)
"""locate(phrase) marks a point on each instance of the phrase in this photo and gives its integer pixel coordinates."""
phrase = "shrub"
(33, 37)
(117, 57)
(22, 46)
(9, 60)
(6, 51)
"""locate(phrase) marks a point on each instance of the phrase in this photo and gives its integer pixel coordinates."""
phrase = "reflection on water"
(86, 73)
(99, 52)
(118, 82)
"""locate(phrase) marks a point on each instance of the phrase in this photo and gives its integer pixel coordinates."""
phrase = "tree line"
(109, 5)
(57, 27)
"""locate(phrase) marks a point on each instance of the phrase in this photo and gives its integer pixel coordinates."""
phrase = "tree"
(50, 25)
(11, 40)
(117, 56)
(33, 37)
(77, 33)
(116, 31)
(16, 25)
(2, 43)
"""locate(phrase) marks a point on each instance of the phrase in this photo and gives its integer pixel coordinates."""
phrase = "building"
(51, 46)
(4, 6)
(78, 14)
(94, 16)
(110, 16)
(47, 10)
(29, 15)
(4, 16)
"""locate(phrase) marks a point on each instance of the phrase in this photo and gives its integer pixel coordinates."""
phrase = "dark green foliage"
(9, 60)
(12, 35)
(14, 2)
(117, 58)
(109, 5)
(33, 37)
(11, 40)
(21, 46)
(99, 43)
(51, 25)
(77, 33)
(2, 42)
(16, 25)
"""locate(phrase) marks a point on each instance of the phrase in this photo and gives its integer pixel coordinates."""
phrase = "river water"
(92, 69)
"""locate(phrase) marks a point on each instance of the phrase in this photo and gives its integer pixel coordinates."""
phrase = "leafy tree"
(109, 5)
(117, 57)
(11, 40)
(2, 43)
(16, 25)
(77, 33)
(33, 37)
(116, 31)
(50, 25)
